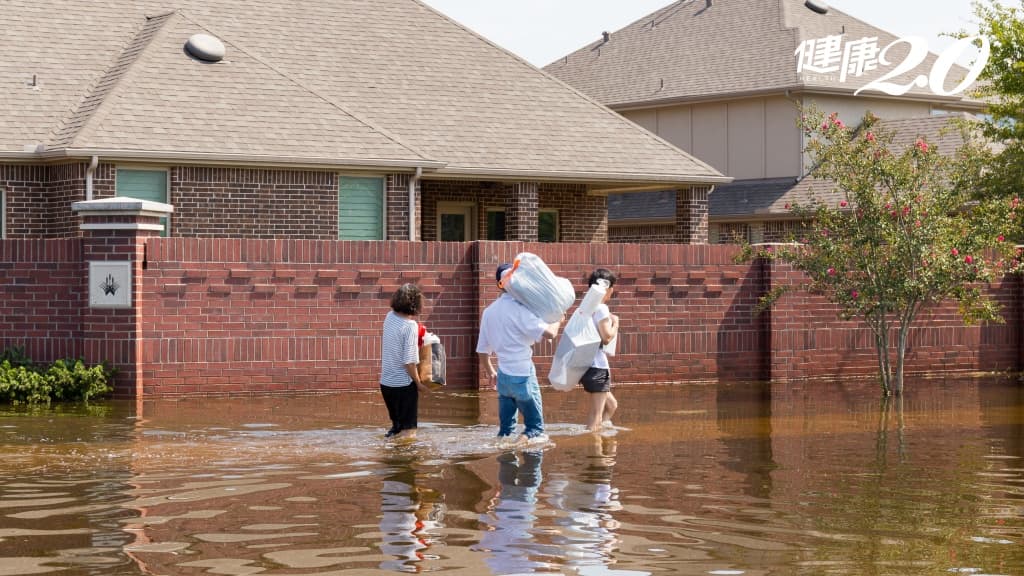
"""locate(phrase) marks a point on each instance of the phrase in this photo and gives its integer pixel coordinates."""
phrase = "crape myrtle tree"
(906, 235)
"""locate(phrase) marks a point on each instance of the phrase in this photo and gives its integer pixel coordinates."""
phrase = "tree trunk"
(901, 354)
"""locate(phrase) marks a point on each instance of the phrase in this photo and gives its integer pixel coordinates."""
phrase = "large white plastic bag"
(579, 342)
(532, 283)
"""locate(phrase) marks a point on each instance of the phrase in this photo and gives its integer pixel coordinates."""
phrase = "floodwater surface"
(811, 478)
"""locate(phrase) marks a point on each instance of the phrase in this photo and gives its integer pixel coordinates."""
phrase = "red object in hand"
(423, 332)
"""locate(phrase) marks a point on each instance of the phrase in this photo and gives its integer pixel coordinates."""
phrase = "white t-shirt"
(398, 347)
(509, 329)
(600, 359)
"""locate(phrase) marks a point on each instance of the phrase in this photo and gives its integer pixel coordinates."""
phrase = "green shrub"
(21, 381)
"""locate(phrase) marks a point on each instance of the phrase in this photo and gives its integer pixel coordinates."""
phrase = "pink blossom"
(870, 137)
(843, 204)
(1000, 238)
(854, 294)
(954, 252)
(787, 206)
(824, 125)
(969, 259)
(921, 145)
(839, 124)
(1014, 203)
(888, 205)
(917, 223)
(893, 213)
(906, 210)
(831, 271)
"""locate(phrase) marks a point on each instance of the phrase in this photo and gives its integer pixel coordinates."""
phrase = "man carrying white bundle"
(508, 330)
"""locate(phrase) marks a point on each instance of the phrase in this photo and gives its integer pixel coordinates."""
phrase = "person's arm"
(413, 353)
(608, 328)
(413, 370)
(492, 374)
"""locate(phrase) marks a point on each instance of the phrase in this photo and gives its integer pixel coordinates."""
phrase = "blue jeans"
(520, 394)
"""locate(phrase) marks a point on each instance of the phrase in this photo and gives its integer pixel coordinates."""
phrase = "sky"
(541, 31)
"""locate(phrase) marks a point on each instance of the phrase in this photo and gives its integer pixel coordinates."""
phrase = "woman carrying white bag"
(597, 379)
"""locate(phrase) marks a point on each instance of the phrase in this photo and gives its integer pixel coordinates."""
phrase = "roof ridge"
(70, 127)
(379, 129)
(608, 111)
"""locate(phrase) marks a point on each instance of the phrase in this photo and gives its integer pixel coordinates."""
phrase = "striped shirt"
(398, 347)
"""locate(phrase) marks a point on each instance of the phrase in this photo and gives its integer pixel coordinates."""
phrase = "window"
(144, 185)
(360, 208)
(547, 226)
(456, 222)
(733, 233)
(496, 224)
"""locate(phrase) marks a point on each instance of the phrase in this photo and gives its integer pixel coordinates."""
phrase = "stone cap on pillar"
(120, 206)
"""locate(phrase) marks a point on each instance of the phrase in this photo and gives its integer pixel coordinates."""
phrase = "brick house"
(720, 80)
(326, 120)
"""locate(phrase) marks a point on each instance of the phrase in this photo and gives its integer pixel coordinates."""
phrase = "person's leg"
(390, 402)
(408, 407)
(610, 406)
(507, 410)
(598, 401)
(532, 407)
(597, 383)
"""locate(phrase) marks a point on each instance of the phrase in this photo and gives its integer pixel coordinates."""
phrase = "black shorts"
(596, 380)
(403, 404)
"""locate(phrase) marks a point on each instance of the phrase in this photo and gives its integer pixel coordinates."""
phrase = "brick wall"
(226, 316)
(41, 297)
(247, 203)
(231, 316)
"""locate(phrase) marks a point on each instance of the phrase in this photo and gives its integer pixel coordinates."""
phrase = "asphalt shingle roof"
(356, 81)
(691, 51)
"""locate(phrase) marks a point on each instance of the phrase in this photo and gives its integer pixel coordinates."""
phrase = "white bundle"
(532, 283)
(579, 342)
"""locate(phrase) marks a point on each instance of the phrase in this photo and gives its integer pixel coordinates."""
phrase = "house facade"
(726, 80)
(327, 120)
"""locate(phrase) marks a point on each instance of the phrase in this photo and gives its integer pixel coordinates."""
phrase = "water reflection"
(411, 515)
(806, 478)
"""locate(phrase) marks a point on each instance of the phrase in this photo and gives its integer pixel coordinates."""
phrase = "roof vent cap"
(818, 6)
(205, 47)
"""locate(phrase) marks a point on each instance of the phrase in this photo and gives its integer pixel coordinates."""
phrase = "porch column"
(396, 190)
(521, 212)
(692, 215)
(115, 231)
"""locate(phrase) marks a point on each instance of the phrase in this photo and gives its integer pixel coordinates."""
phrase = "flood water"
(814, 478)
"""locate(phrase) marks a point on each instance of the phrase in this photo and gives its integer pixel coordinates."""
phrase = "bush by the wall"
(21, 381)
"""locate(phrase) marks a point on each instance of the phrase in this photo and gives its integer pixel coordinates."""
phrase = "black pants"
(403, 405)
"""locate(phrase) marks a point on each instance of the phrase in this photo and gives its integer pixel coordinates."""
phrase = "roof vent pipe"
(709, 3)
(606, 35)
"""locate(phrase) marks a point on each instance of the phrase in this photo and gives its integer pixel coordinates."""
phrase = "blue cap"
(501, 270)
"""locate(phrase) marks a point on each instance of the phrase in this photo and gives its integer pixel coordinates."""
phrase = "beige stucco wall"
(749, 138)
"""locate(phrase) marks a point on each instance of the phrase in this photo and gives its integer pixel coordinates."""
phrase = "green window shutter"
(360, 208)
(144, 185)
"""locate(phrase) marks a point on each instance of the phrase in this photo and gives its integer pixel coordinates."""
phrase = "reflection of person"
(408, 516)
(508, 329)
(597, 379)
(509, 520)
(400, 355)
(589, 535)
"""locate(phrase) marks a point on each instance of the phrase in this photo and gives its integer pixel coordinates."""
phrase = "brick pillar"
(521, 212)
(692, 215)
(397, 192)
(115, 231)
